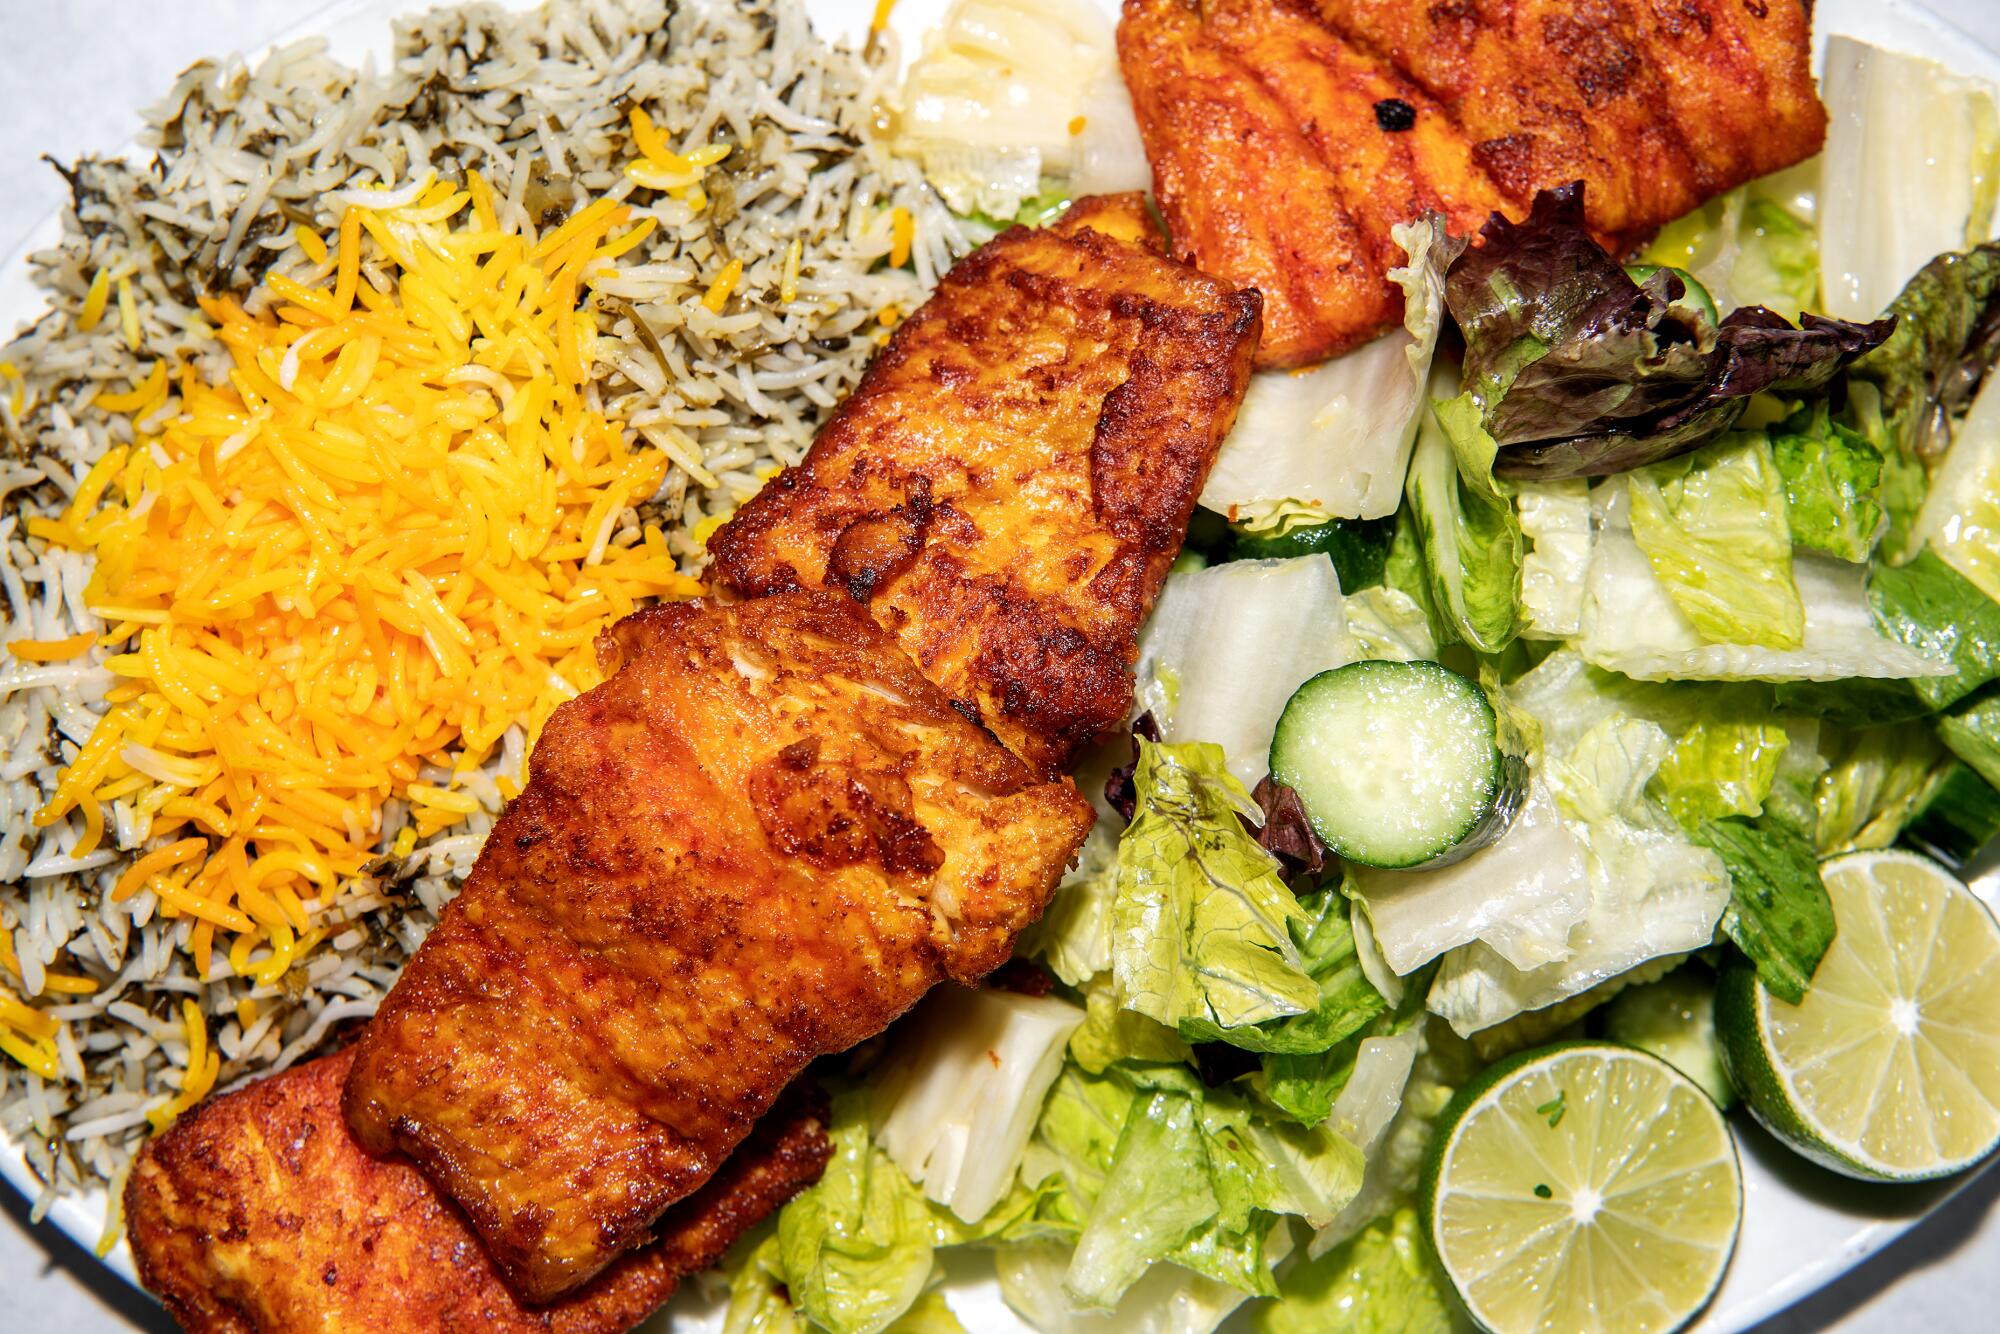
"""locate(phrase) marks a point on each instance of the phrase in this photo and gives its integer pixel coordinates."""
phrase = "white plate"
(1802, 1227)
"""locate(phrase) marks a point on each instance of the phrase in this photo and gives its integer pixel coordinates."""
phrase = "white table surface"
(72, 73)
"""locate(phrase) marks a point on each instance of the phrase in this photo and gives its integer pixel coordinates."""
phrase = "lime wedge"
(1583, 1187)
(1889, 1070)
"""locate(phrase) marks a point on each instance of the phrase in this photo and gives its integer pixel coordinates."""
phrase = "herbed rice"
(538, 102)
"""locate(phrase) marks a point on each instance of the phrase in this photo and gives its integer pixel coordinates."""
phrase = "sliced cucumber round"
(1358, 548)
(1398, 764)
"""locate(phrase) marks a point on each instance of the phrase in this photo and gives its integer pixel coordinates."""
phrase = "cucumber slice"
(1358, 548)
(1398, 763)
(1958, 816)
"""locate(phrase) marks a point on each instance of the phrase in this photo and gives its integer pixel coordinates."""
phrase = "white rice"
(537, 102)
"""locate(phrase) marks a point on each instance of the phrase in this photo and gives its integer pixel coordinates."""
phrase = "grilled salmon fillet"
(761, 840)
(1006, 487)
(259, 1213)
(1254, 112)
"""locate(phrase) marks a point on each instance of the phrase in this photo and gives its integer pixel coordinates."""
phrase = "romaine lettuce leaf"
(1276, 1166)
(1555, 518)
(1873, 780)
(1934, 610)
(1779, 913)
(1973, 734)
(1960, 518)
(758, 1295)
(1911, 161)
(1389, 623)
(1777, 263)
(1226, 647)
(1380, 1281)
(1578, 371)
(1201, 919)
(1110, 1034)
(1631, 624)
(1366, 1112)
(1155, 1198)
(1720, 769)
(1074, 936)
(1470, 538)
(1833, 482)
(1338, 436)
(1713, 527)
(1346, 1000)
(1905, 396)
(856, 1245)
(963, 1090)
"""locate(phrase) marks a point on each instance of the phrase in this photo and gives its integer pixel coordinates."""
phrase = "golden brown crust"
(258, 1213)
(1273, 170)
(1331, 90)
(1245, 194)
(1008, 484)
(1122, 217)
(760, 841)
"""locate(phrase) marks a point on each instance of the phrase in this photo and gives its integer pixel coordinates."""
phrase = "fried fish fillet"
(259, 1213)
(1277, 127)
(761, 840)
(1656, 104)
(1005, 488)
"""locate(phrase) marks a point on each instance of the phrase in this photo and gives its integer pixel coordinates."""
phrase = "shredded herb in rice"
(767, 278)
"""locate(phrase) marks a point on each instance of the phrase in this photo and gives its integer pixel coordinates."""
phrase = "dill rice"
(733, 245)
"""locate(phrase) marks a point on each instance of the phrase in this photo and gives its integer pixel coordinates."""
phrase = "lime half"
(1889, 1070)
(1583, 1187)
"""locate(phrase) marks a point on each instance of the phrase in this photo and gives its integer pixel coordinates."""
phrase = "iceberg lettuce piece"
(1651, 890)
(1523, 895)
(856, 1246)
(962, 1095)
(1201, 919)
(1337, 436)
(1713, 526)
(1652, 893)
(1555, 518)
(1632, 625)
(1166, 1299)
(1911, 164)
(1226, 647)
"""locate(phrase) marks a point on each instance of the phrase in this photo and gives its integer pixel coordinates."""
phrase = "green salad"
(1478, 743)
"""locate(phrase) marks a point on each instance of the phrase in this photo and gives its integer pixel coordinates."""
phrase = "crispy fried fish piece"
(1656, 104)
(1257, 113)
(259, 1213)
(1245, 193)
(1331, 90)
(763, 839)
(1005, 488)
